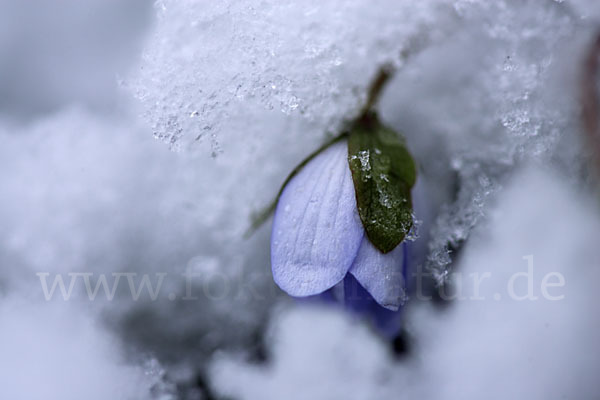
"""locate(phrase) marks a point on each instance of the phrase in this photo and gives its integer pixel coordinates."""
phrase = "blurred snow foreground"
(492, 346)
(486, 95)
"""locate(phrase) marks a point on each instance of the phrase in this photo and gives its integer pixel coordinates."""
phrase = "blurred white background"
(238, 92)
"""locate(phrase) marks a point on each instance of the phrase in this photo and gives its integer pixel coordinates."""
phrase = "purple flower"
(318, 241)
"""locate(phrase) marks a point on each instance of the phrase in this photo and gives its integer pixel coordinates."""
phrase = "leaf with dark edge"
(383, 172)
(262, 216)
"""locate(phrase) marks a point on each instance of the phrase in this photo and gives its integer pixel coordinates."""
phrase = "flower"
(318, 241)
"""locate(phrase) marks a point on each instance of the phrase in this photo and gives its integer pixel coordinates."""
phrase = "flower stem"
(383, 76)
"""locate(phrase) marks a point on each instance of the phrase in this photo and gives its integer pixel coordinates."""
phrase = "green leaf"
(383, 172)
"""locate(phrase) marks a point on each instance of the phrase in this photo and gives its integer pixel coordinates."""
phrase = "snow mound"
(52, 351)
(481, 86)
(491, 340)
(310, 58)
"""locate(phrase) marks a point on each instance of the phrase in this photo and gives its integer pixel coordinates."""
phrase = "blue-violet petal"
(316, 228)
(382, 275)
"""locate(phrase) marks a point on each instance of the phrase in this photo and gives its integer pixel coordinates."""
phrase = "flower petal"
(382, 275)
(316, 228)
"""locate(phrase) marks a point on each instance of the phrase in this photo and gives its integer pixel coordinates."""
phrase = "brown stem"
(590, 104)
(383, 76)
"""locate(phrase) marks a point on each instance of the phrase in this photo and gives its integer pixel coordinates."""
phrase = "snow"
(504, 94)
(480, 345)
(52, 351)
(491, 81)
(93, 195)
(205, 64)
(338, 359)
(511, 348)
(485, 93)
(56, 54)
